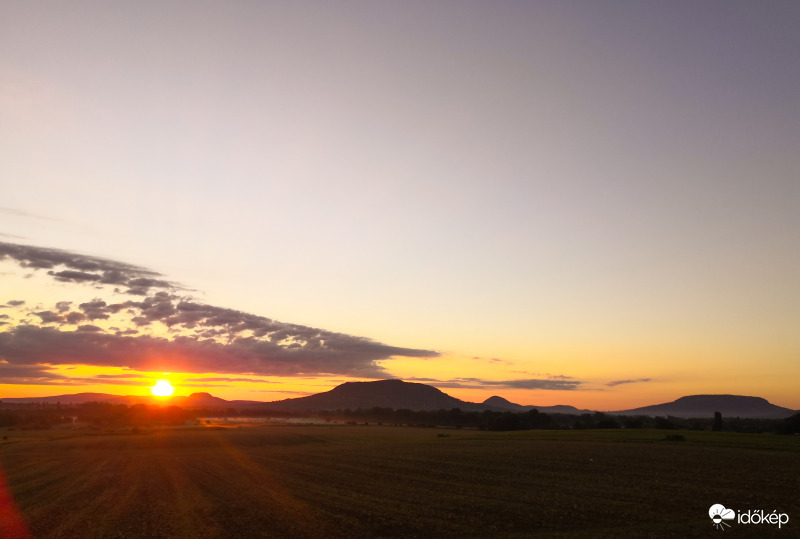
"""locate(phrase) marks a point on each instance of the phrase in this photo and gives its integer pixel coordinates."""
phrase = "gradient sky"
(588, 203)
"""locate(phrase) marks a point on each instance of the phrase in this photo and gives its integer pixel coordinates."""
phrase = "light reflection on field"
(255, 421)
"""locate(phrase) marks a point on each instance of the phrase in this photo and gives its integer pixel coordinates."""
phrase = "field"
(373, 481)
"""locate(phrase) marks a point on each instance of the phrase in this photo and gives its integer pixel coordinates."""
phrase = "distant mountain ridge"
(193, 401)
(503, 404)
(398, 394)
(79, 398)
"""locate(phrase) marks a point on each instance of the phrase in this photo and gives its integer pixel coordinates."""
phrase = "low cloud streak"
(630, 381)
(529, 383)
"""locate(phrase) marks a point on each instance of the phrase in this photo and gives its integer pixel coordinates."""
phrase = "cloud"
(48, 316)
(194, 384)
(353, 356)
(201, 338)
(119, 376)
(562, 385)
(43, 375)
(528, 383)
(492, 360)
(89, 327)
(632, 381)
(72, 275)
(219, 379)
(288, 392)
(74, 317)
(79, 268)
(30, 375)
(94, 310)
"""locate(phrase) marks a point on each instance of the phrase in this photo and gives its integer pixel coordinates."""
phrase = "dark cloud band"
(530, 383)
(203, 338)
(72, 267)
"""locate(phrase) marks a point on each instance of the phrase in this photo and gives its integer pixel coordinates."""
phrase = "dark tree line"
(106, 415)
(100, 414)
(532, 419)
(36, 415)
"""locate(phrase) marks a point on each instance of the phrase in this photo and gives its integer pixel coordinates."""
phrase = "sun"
(162, 389)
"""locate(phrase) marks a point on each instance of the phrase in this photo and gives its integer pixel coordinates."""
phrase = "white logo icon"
(719, 515)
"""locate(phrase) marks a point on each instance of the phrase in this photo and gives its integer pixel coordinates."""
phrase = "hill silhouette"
(199, 400)
(502, 404)
(395, 394)
(706, 405)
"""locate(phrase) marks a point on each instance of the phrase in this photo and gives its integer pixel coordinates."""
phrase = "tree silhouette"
(717, 425)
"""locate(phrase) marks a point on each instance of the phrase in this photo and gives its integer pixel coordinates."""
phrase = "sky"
(586, 203)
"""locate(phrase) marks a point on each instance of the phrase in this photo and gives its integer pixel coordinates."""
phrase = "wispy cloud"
(23, 213)
(528, 383)
(197, 384)
(221, 379)
(10, 371)
(31, 374)
(70, 267)
(493, 360)
(131, 376)
(288, 392)
(631, 381)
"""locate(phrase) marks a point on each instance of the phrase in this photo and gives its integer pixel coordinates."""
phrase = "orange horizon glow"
(594, 393)
(594, 396)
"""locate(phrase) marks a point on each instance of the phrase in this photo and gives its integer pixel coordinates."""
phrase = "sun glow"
(162, 389)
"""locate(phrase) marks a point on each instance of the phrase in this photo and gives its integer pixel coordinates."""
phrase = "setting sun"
(162, 389)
